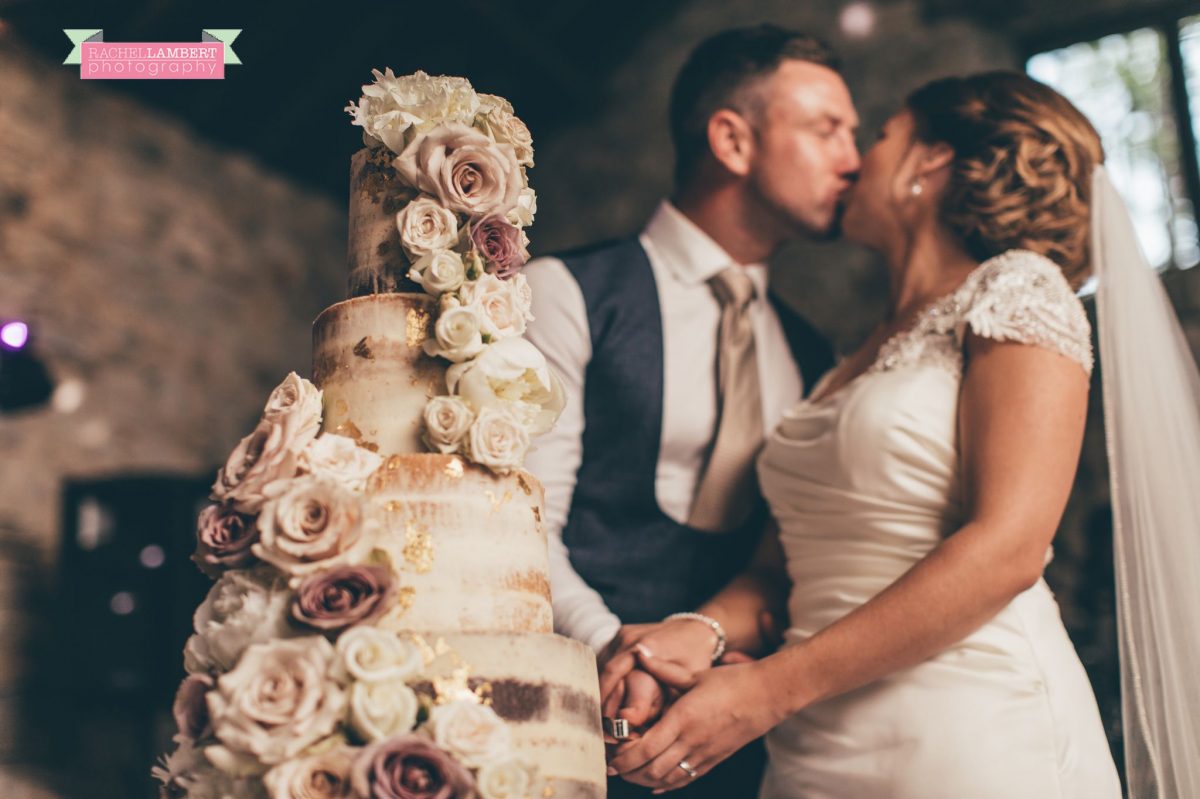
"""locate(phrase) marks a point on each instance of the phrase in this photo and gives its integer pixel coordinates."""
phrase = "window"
(1141, 90)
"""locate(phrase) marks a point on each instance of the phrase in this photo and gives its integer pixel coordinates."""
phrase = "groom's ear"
(731, 140)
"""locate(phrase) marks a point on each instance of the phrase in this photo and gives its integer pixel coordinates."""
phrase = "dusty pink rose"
(223, 539)
(343, 597)
(409, 767)
(465, 170)
(501, 244)
(191, 709)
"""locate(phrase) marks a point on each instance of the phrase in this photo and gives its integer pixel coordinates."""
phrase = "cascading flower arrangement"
(297, 686)
(465, 154)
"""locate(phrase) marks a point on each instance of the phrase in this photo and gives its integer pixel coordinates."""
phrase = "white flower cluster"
(291, 691)
(466, 153)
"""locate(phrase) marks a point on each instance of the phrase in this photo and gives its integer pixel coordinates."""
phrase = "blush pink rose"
(343, 597)
(501, 244)
(465, 170)
(191, 709)
(409, 767)
(223, 539)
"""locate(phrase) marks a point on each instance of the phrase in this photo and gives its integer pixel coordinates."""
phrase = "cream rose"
(338, 458)
(261, 464)
(368, 654)
(523, 212)
(242, 608)
(380, 710)
(497, 440)
(296, 402)
(447, 420)
(465, 170)
(438, 273)
(470, 731)
(277, 702)
(511, 374)
(504, 779)
(426, 227)
(320, 776)
(315, 524)
(496, 118)
(457, 335)
(498, 304)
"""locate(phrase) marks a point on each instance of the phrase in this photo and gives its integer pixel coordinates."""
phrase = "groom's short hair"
(721, 72)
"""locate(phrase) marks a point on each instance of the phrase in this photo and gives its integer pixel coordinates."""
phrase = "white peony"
(511, 374)
(470, 731)
(457, 335)
(316, 523)
(380, 710)
(368, 654)
(496, 119)
(447, 420)
(523, 212)
(242, 608)
(187, 772)
(277, 702)
(339, 459)
(395, 110)
(497, 440)
(501, 305)
(324, 775)
(426, 227)
(504, 779)
(439, 272)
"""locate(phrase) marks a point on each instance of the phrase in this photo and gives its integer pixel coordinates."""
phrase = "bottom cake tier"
(545, 686)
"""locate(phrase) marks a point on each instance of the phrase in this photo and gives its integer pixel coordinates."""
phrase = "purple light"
(14, 335)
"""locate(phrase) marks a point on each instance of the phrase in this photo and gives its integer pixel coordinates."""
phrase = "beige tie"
(726, 491)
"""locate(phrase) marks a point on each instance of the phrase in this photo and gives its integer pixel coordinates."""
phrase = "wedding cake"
(380, 626)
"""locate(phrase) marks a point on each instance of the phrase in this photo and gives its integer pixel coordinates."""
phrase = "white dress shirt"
(683, 257)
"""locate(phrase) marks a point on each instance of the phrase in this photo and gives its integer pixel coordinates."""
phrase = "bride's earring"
(916, 188)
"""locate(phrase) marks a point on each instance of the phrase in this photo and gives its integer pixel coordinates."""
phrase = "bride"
(916, 494)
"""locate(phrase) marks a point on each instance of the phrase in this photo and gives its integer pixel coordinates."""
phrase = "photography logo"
(101, 60)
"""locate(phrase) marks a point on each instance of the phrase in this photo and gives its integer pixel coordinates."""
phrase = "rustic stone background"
(176, 283)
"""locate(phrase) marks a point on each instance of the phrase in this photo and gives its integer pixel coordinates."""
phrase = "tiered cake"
(381, 623)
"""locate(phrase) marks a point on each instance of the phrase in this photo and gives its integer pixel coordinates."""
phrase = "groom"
(677, 359)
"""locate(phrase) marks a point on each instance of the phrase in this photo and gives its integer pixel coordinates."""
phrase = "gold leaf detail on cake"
(548, 791)
(394, 462)
(416, 326)
(393, 506)
(483, 692)
(340, 407)
(454, 469)
(418, 546)
(405, 597)
(363, 350)
(497, 504)
(524, 484)
(350, 430)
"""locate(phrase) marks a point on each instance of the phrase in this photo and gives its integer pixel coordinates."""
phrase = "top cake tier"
(376, 258)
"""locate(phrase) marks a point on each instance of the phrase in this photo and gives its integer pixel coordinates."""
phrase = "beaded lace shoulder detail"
(1022, 296)
(1016, 296)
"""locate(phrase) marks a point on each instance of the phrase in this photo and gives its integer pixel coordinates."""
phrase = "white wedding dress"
(864, 483)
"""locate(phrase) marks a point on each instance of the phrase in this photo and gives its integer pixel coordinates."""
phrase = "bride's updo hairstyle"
(1022, 173)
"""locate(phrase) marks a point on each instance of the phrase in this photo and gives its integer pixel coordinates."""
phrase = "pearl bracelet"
(719, 649)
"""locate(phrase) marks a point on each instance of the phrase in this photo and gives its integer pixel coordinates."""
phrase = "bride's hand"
(639, 699)
(724, 709)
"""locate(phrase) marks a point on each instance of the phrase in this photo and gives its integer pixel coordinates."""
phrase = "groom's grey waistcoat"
(642, 562)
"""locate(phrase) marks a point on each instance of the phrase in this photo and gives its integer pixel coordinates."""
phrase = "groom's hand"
(686, 643)
(639, 700)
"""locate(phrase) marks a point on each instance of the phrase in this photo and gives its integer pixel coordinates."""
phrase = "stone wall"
(169, 285)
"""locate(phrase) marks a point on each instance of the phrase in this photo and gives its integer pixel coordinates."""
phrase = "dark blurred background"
(165, 245)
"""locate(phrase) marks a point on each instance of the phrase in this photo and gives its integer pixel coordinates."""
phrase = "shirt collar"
(690, 254)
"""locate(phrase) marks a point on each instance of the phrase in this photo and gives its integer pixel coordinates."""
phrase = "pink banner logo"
(152, 61)
(101, 60)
